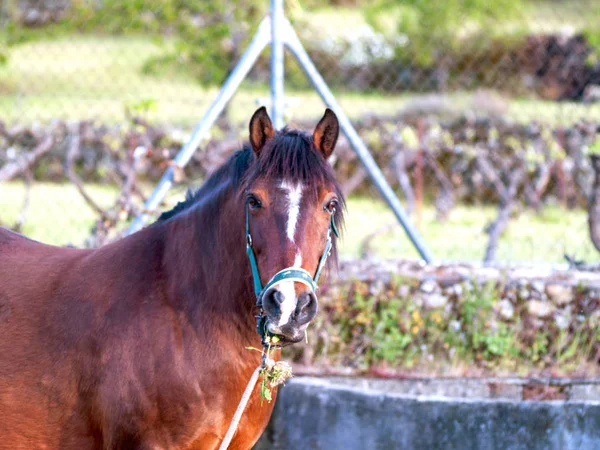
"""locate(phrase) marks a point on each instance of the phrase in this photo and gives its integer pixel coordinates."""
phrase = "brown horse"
(141, 344)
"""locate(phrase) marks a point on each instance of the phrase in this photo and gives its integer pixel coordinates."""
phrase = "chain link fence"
(484, 116)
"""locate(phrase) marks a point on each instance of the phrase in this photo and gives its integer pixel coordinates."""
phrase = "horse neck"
(205, 258)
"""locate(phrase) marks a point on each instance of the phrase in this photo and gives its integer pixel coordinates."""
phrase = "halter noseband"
(295, 274)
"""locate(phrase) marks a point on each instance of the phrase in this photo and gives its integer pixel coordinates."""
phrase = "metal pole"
(277, 61)
(279, 31)
(293, 43)
(258, 44)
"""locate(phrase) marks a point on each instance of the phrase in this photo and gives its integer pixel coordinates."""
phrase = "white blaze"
(294, 195)
(289, 295)
(288, 305)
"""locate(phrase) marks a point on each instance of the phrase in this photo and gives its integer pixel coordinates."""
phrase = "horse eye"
(253, 202)
(331, 206)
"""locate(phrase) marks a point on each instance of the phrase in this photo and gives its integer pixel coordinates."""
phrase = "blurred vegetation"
(58, 215)
(204, 39)
(207, 35)
(385, 328)
(430, 27)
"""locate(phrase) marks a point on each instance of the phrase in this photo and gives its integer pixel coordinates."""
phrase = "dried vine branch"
(506, 206)
(445, 200)
(490, 173)
(594, 204)
(354, 181)
(18, 227)
(399, 165)
(575, 264)
(366, 244)
(26, 161)
(72, 153)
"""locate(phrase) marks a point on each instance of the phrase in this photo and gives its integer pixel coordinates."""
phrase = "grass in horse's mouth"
(279, 341)
(273, 373)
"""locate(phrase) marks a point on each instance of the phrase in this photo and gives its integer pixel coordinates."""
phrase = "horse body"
(90, 360)
(142, 343)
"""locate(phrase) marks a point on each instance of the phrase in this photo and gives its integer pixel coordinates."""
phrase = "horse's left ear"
(326, 133)
(261, 129)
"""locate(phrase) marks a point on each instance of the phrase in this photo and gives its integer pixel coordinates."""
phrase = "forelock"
(290, 157)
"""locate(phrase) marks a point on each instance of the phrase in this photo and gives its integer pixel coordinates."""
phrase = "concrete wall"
(314, 413)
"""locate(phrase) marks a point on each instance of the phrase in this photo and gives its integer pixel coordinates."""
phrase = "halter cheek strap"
(328, 246)
(294, 274)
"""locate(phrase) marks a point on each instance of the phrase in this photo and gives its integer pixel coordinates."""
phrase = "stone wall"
(548, 292)
(490, 413)
(396, 318)
(328, 414)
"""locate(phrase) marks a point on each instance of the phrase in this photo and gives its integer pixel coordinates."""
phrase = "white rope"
(240, 409)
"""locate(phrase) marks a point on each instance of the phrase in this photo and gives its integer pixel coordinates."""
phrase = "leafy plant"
(429, 26)
(141, 107)
(208, 35)
(594, 149)
(389, 341)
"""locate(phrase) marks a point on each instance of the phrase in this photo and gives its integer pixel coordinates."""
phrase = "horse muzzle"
(289, 302)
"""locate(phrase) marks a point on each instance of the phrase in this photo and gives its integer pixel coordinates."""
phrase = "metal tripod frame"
(276, 30)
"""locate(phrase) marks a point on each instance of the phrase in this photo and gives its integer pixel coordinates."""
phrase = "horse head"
(292, 206)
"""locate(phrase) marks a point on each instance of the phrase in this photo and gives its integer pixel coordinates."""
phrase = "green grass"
(99, 77)
(532, 16)
(534, 237)
(58, 215)
(555, 16)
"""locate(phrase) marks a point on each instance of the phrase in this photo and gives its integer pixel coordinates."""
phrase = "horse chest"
(251, 426)
(220, 414)
(170, 408)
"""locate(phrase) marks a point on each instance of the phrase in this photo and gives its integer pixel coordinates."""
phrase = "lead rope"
(241, 407)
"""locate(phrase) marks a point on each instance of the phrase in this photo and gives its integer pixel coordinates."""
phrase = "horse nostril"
(272, 302)
(304, 301)
(306, 308)
(278, 297)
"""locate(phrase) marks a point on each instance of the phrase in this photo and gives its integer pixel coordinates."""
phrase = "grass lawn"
(543, 238)
(99, 77)
(58, 215)
(537, 16)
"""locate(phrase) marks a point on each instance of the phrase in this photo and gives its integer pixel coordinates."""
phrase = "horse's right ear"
(261, 129)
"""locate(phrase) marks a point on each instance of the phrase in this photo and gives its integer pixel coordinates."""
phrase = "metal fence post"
(258, 44)
(279, 32)
(277, 61)
(293, 43)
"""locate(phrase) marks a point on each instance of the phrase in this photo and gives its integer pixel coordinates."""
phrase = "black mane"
(234, 169)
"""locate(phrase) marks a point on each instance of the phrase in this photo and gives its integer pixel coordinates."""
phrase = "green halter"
(295, 274)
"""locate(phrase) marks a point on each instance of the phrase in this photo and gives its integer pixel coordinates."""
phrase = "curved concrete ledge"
(328, 414)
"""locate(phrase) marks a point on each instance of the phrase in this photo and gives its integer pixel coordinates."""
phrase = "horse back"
(28, 267)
